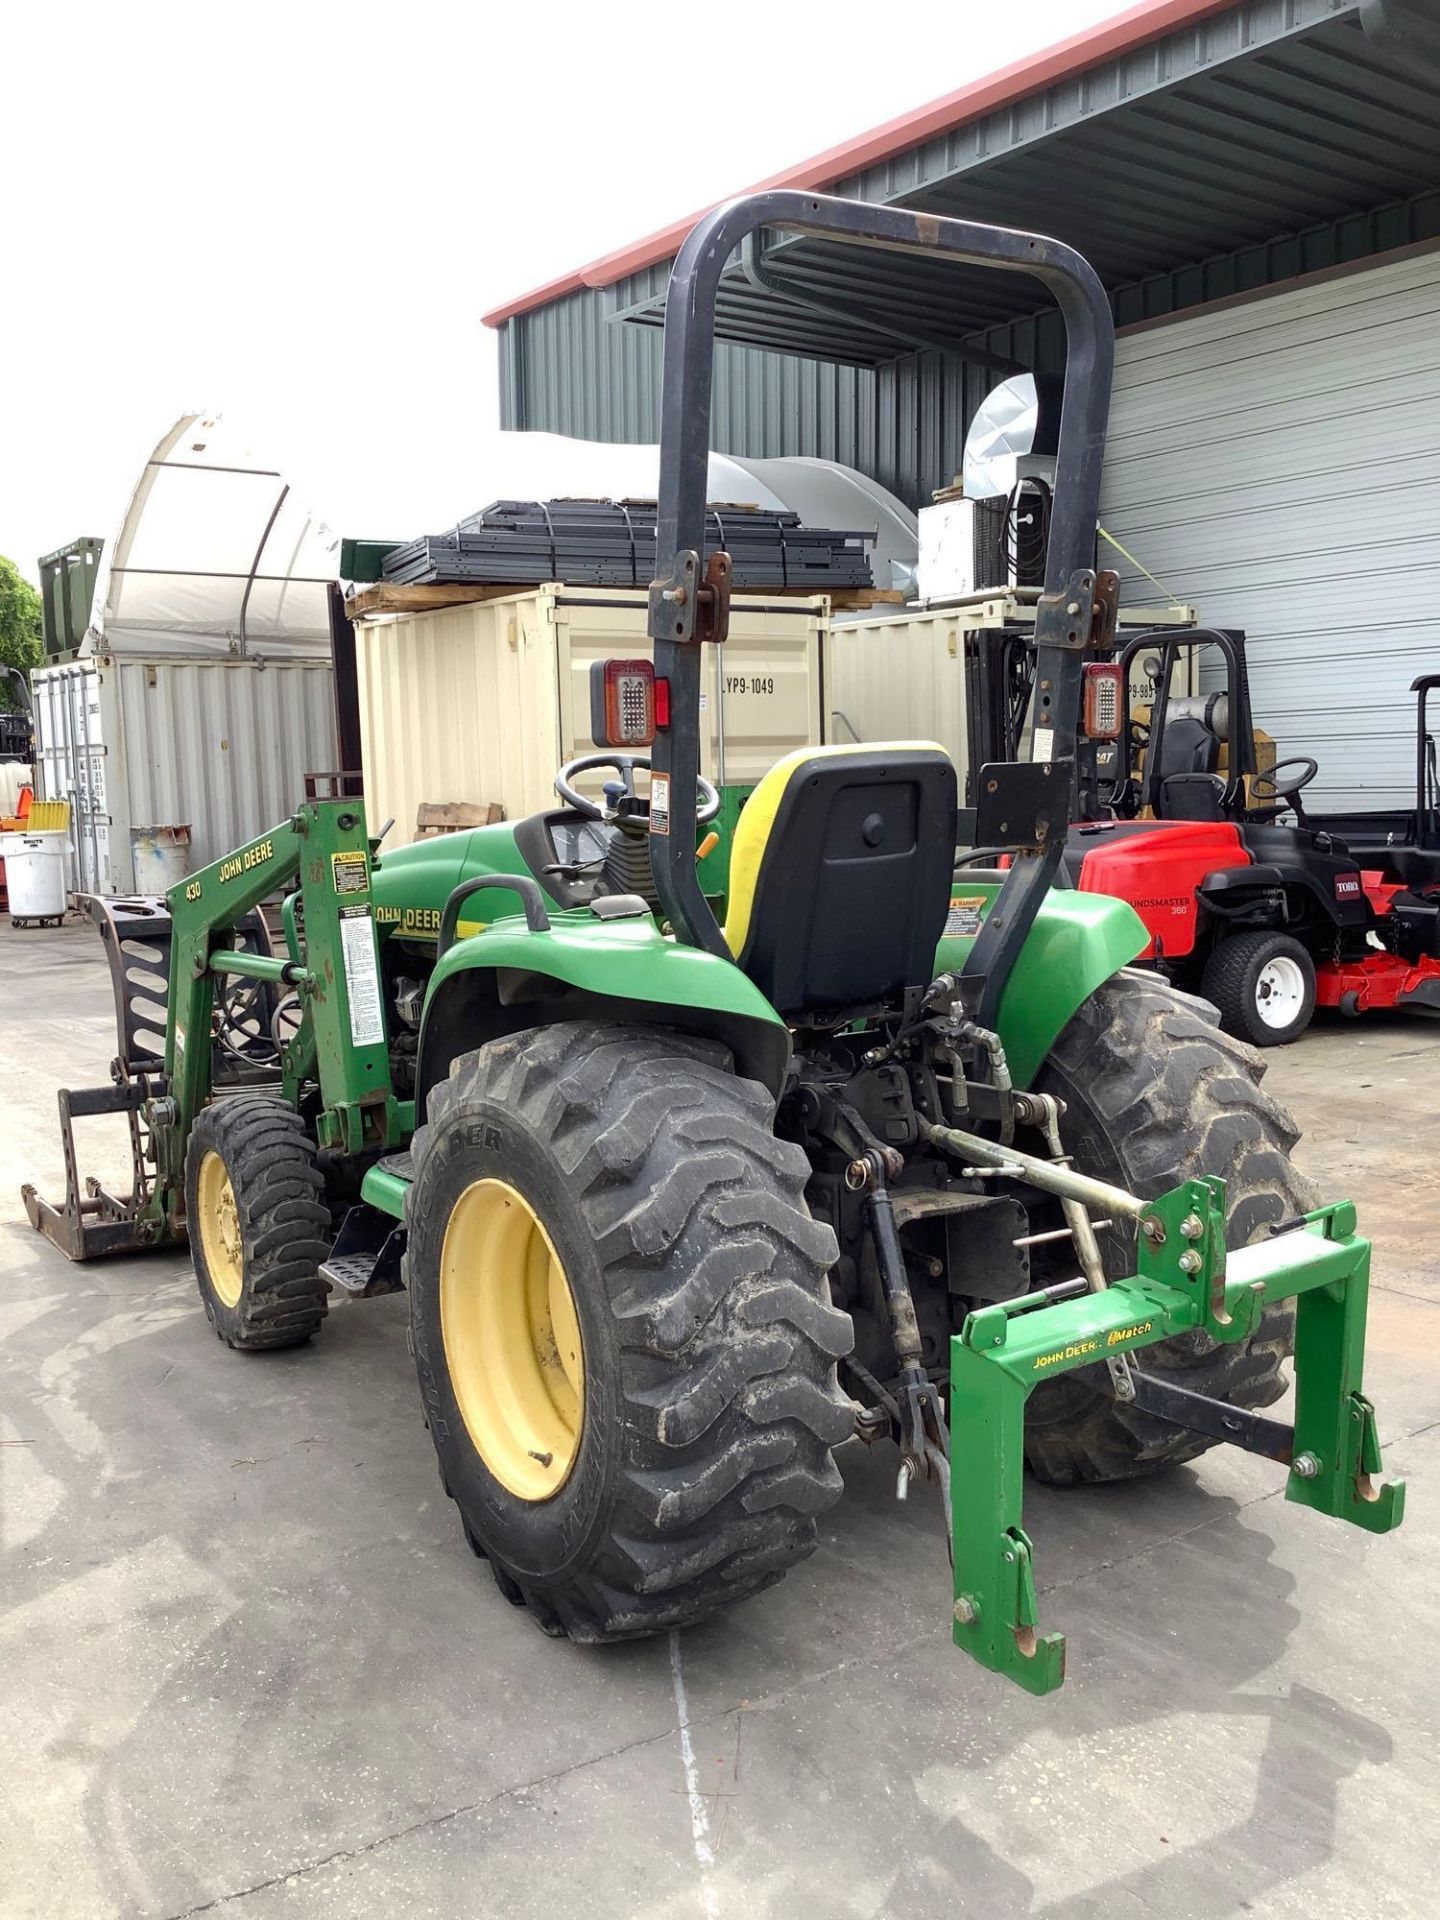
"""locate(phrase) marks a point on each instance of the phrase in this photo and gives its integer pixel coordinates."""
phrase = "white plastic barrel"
(35, 874)
(161, 856)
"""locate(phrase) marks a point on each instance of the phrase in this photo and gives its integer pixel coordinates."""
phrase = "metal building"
(1259, 186)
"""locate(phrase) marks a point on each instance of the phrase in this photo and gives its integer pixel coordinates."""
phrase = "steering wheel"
(626, 765)
(1269, 786)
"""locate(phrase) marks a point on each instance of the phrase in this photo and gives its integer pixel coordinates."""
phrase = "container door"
(70, 764)
(763, 691)
(901, 678)
(588, 628)
(458, 706)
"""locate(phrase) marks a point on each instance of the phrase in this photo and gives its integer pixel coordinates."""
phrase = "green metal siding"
(67, 589)
(572, 367)
(1272, 139)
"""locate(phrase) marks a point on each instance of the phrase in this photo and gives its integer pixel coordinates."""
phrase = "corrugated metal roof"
(1265, 141)
(1266, 119)
(567, 368)
(1108, 40)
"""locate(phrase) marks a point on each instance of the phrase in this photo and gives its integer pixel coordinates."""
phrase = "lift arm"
(341, 1036)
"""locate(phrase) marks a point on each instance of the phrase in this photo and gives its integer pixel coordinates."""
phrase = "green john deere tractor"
(900, 1152)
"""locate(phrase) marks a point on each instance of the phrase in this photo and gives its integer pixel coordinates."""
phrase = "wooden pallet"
(451, 816)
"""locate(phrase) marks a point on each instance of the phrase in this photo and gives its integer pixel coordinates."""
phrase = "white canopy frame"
(216, 555)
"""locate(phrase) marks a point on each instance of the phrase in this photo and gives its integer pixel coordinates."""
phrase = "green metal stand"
(1186, 1280)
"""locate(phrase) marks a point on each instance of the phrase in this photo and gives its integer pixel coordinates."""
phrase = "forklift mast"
(1230, 645)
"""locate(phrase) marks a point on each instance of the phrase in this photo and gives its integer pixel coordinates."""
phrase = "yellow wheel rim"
(512, 1340)
(220, 1240)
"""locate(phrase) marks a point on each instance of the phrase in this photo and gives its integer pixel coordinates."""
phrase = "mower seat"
(840, 875)
(1192, 796)
(1190, 751)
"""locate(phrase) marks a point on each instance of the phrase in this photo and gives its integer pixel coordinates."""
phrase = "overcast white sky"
(295, 214)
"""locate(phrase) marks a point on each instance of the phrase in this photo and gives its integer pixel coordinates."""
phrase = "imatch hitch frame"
(1186, 1280)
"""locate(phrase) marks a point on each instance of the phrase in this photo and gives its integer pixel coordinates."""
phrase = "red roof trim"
(1126, 31)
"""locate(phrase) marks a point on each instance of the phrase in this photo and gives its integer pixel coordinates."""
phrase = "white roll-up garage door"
(1278, 464)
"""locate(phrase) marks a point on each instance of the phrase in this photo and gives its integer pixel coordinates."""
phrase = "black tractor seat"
(1187, 785)
(840, 875)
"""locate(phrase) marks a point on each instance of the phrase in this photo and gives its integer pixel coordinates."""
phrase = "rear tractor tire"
(258, 1223)
(1263, 986)
(1156, 1094)
(622, 1326)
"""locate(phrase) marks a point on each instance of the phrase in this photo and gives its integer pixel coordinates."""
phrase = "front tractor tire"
(1156, 1094)
(622, 1326)
(258, 1223)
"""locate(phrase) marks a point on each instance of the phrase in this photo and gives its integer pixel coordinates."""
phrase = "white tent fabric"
(216, 556)
(219, 553)
(399, 499)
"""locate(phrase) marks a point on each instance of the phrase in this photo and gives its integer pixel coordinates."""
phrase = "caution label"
(350, 872)
(362, 976)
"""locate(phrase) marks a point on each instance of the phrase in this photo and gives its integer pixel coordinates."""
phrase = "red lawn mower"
(1264, 916)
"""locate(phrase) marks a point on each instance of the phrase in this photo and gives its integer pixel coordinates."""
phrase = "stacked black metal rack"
(611, 543)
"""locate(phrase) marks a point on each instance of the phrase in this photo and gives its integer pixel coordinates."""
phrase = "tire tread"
(1174, 1096)
(716, 1278)
(285, 1222)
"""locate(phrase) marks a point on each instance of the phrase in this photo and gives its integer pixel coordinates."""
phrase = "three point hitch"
(1186, 1281)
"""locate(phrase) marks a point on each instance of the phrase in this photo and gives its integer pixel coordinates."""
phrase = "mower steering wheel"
(1269, 786)
(626, 765)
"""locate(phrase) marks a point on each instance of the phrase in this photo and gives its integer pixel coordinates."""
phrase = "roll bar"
(688, 605)
(1427, 798)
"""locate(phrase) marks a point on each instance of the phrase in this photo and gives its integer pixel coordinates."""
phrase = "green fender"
(503, 978)
(1077, 942)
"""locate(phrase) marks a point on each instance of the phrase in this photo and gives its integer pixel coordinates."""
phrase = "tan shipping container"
(899, 677)
(484, 701)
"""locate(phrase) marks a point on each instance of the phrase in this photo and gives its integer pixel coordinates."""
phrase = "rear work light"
(622, 703)
(1102, 699)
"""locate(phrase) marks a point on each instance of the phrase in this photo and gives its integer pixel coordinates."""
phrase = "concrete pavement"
(248, 1666)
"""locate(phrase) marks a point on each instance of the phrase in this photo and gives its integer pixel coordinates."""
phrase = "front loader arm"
(341, 1037)
(204, 912)
(208, 929)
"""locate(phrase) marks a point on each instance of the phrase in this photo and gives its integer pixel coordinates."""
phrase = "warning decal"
(660, 803)
(362, 976)
(967, 910)
(350, 872)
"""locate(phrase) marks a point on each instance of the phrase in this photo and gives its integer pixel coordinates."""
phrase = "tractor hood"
(411, 885)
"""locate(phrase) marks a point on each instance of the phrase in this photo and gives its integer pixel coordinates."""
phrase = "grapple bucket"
(93, 1222)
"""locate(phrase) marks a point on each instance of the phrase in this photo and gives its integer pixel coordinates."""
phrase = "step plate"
(355, 1275)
